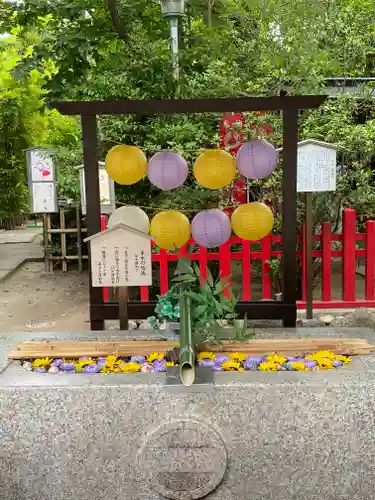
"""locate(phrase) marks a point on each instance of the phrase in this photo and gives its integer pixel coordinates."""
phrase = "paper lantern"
(170, 229)
(211, 228)
(126, 164)
(256, 159)
(167, 170)
(132, 216)
(214, 169)
(252, 221)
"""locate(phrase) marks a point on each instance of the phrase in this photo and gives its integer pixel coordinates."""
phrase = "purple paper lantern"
(256, 159)
(167, 170)
(211, 228)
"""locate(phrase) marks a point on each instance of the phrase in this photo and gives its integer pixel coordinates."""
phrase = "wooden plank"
(254, 347)
(171, 106)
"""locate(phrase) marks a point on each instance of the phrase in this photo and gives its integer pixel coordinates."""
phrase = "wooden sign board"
(316, 167)
(120, 257)
(42, 181)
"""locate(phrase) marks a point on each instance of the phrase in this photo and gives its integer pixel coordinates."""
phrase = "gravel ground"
(33, 301)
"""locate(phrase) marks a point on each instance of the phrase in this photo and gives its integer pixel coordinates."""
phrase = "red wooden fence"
(244, 252)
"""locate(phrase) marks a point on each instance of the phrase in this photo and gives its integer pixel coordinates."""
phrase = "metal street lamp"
(172, 10)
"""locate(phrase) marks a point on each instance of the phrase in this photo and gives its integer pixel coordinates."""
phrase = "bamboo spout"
(187, 354)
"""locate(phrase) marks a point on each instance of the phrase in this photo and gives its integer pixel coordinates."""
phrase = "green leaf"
(195, 296)
(210, 280)
(200, 310)
(185, 278)
(219, 288)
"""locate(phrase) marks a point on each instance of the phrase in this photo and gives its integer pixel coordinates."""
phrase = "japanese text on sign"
(316, 168)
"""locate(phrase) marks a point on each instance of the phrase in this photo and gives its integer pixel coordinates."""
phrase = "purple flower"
(137, 359)
(252, 363)
(57, 362)
(67, 367)
(101, 362)
(309, 363)
(82, 358)
(91, 369)
(217, 368)
(159, 365)
(291, 358)
(40, 370)
(206, 363)
(336, 364)
(220, 359)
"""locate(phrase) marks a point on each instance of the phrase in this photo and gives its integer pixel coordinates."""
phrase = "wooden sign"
(316, 167)
(42, 181)
(120, 257)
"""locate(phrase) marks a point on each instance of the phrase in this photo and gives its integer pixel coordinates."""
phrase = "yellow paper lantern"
(252, 221)
(214, 169)
(170, 229)
(126, 164)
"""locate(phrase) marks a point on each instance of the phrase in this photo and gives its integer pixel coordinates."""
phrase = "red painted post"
(224, 262)
(326, 261)
(163, 271)
(246, 270)
(349, 233)
(103, 227)
(266, 257)
(303, 261)
(203, 261)
(370, 259)
(144, 294)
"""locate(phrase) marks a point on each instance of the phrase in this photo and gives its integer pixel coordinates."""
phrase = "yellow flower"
(268, 366)
(237, 356)
(131, 367)
(205, 355)
(232, 366)
(169, 363)
(325, 364)
(154, 356)
(111, 361)
(345, 359)
(41, 363)
(81, 363)
(275, 358)
(324, 354)
(299, 366)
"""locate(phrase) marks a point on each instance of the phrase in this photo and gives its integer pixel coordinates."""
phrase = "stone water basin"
(253, 435)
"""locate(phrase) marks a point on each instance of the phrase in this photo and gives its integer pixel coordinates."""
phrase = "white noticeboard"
(120, 258)
(42, 181)
(316, 167)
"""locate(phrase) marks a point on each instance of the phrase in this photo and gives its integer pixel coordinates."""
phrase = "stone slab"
(18, 236)
(269, 436)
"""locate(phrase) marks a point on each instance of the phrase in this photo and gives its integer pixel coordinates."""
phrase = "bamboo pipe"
(187, 354)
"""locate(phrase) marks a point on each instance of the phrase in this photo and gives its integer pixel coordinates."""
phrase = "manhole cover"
(184, 460)
(43, 324)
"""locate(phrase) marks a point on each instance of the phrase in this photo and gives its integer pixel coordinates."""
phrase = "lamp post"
(172, 10)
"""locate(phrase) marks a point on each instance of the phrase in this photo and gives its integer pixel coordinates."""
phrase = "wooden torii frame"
(286, 309)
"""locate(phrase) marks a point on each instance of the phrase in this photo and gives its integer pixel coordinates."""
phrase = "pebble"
(327, 319)
(28, 366)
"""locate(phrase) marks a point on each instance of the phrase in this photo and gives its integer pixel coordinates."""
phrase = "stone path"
(19, 246)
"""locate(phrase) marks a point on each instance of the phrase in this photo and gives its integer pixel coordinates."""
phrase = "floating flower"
(325, 355)
(310, 364)
(146, 368)
(67, 367)
(337, 363)
(252, 363)
(169, 363)
(41, 363)
(94, 368)
(345, 359)
(205, 355)
(40, 369)
(57, 362)
(237, 356)
(138, 359)
(220, 359)
(131, 367)
(232, 366)
(159, 365)
(292, 358)
(268, 366)
(206, 363)
(101, 361)
(154, 356)
(53, 369)
(82, 362)
(299, 366)
(217, 368)
(275, 358)
(325, 364)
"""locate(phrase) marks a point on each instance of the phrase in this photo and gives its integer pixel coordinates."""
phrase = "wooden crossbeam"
(254, 347)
